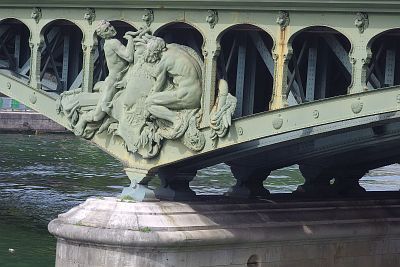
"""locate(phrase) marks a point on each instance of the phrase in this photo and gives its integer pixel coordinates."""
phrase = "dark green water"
(42, 176)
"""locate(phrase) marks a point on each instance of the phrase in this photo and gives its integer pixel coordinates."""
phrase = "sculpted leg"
(162, 113)
(168, 98)
(79, 128)
(249, 182)
(98, 113)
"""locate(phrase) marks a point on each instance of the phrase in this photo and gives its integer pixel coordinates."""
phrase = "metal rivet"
(316, 114)
(33, 99)
(240, 131)
(277, 123)
(357, 106)
(8, 85)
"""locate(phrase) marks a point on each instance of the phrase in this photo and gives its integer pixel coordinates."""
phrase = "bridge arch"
(319, 65)
(183, 33)
(249, 48)
(384, 59)
(61, 56)
(100, 66)
(15, 51)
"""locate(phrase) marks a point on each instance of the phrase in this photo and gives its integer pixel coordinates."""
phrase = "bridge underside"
(340, 150)
(332, 157)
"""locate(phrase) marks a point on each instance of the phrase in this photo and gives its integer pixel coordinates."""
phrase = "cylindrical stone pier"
(109, 232)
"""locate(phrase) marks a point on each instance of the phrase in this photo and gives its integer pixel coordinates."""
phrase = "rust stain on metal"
(279, 72)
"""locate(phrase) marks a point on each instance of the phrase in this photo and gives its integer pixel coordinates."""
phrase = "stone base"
(219, 233)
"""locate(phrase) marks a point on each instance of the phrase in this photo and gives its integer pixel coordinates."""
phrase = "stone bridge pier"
(220, 232)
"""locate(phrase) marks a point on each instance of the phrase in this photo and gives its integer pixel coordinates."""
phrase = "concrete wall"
(18, 121)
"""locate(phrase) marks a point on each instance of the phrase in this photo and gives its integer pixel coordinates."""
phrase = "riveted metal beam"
(240, 74)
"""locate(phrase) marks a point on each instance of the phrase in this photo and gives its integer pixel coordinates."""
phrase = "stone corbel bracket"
(36, 14)
(90, 15)
(361, 21)
(212, 18)
(148, 17)
(283, 19)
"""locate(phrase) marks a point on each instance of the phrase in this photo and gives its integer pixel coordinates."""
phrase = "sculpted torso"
(138, 85)
(116, 60)
(185, 73)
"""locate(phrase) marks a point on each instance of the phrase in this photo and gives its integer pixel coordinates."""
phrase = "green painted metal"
(295, 5)
(360, 22)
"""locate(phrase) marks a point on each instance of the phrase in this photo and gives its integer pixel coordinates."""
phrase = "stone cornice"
(299, 5)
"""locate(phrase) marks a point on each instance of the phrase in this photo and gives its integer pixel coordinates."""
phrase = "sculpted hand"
(120, 85)
(128, 36)
(131, 33)
(140, 32)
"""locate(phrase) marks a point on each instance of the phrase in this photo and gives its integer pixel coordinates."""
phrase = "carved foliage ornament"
(212, 18)
(151, 95)
(361, 21)
(283, 19)
(90, 15)
(36, 14)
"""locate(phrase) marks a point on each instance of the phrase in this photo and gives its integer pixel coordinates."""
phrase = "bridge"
(170, 87)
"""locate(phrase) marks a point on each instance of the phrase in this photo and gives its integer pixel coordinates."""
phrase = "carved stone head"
(105, 30)
(154, 47)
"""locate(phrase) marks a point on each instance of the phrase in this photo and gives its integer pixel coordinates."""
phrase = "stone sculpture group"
(153, 92)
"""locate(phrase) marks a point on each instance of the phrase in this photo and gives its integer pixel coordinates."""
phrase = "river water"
(44, 175)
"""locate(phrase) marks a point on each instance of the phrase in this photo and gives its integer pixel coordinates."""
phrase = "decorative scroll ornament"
(36, 14)
(212, 18)
(283, 19)
(150, 95)
(222, 112)
(361, 21)
(148, 16)
(90, 15)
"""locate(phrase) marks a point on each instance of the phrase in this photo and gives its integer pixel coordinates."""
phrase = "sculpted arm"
(123, 52)
(160, 81)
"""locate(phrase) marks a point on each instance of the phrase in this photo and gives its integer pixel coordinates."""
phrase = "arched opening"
(15, 57)
(383, 69)
(100, 64)
(246, 63)
(320, 66)
(15, 52)
(61, 56)
(182, 33)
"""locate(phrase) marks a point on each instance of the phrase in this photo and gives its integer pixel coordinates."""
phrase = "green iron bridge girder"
(350, 29)
(295, 5)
